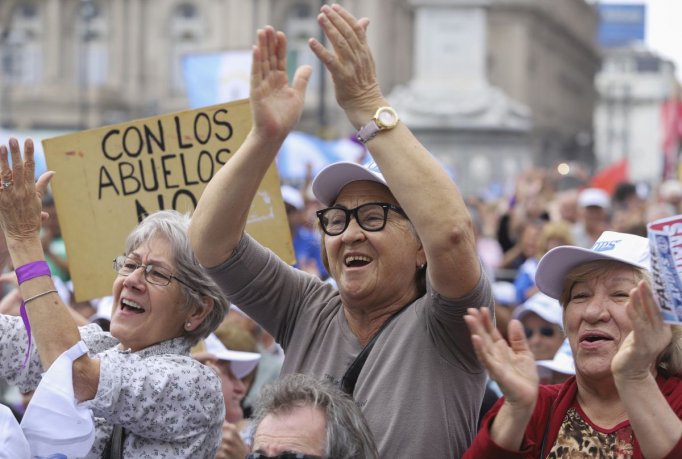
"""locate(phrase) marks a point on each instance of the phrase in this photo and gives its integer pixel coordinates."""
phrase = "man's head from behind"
(299, 414)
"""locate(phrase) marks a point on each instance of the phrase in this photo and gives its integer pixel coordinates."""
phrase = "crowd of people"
(417, 322)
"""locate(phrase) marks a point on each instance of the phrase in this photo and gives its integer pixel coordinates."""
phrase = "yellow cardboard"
(108, 178)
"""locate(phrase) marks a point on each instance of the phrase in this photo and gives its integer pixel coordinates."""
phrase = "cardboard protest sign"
(107, 179)
(665, 238)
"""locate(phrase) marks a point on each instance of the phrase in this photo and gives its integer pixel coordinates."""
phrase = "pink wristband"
(32, 270)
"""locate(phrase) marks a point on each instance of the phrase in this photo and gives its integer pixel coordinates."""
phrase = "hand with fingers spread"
(638, 354)
(512, 367)
(351, 64)
(276, 106)
(20, 195)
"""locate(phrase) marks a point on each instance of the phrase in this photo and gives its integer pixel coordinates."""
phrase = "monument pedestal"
(478, 132)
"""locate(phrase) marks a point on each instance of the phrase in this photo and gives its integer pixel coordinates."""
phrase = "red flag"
(608, 178)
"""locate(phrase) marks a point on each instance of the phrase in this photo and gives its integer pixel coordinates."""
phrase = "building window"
(186, 35)
(301, 24)
(22, 51)
(92, 34)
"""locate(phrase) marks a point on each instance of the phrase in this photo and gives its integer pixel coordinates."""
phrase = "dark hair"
(348, 436)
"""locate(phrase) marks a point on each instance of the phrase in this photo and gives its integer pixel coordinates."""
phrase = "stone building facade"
(76, 64)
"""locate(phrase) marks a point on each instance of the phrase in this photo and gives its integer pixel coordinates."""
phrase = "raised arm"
(657, 427)
(513, 368)
(51, 323)
(419, 183)
(220, 217)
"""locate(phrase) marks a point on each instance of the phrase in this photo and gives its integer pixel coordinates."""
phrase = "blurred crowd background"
(552, 116)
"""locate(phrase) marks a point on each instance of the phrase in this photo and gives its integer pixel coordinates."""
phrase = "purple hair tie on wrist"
(32, 270)
(27, 272)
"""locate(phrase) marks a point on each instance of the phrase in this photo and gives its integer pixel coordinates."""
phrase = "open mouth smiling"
(356, 261)
(128, 305)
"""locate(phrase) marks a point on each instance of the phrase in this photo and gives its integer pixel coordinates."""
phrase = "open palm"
(276, 106)
(512, 367)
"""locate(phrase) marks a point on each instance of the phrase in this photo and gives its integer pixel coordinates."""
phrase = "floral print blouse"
(169, 405)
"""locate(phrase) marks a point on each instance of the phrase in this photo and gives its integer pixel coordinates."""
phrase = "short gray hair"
(172, 226)
(348, 436)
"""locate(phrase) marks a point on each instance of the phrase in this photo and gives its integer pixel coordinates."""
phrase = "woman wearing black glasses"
(625, 400)
(148, 396)
(398, 242)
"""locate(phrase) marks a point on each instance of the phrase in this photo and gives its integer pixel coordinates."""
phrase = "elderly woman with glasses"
(397, 240)
(150, 398)
(625, 400)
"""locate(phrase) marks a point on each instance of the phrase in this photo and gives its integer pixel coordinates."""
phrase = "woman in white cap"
(231, 367)
(541, 317)
(398, 240)
(625, 400)
(148, 396)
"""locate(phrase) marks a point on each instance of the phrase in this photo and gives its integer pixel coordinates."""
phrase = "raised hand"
(513, 368)
(20, 195)
(276, 106)
(351, 64)
(637, 355)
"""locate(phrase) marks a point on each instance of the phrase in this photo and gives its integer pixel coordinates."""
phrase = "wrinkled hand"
(276, 106)
(649, 336)
(513, 368)
(351, 65)
(231, 446)
(20, 196)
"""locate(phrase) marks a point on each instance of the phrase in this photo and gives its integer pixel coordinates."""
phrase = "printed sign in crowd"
(107, 179)
(665, 237)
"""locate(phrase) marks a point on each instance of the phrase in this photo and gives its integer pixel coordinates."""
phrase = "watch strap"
(368, 131)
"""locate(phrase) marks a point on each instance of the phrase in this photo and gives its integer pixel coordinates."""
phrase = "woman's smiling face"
(596, 321)
(145, 314)
(374, 267)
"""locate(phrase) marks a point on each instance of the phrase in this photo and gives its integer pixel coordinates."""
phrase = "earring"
(188, 325)
(422, 266)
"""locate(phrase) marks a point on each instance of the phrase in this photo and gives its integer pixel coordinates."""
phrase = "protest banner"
(665, 239)
(107, 179)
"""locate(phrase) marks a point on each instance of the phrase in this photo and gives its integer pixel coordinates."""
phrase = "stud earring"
(188, 325)
(422, 266)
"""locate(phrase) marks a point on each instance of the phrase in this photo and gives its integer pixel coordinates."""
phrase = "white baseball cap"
(626, 248)
(241, 363)
(594, 197)
(562, 362)
(542, 305)
(328, 183)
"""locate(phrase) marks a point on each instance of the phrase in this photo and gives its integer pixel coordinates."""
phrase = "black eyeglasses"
(545, 331)
(371, 217)
(285, 455)
(156, 275)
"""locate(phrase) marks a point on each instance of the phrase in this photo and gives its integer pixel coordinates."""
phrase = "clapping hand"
(276, 106)
(351, 64)
(20, 194)
(512, 367)
(649, 336)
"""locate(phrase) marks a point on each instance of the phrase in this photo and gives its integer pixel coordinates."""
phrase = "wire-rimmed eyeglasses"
(156, 275)
(370, 216)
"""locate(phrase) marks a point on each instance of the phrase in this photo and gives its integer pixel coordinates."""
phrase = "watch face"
(387, 118)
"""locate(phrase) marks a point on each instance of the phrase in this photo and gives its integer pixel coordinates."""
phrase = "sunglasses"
(545, 331)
